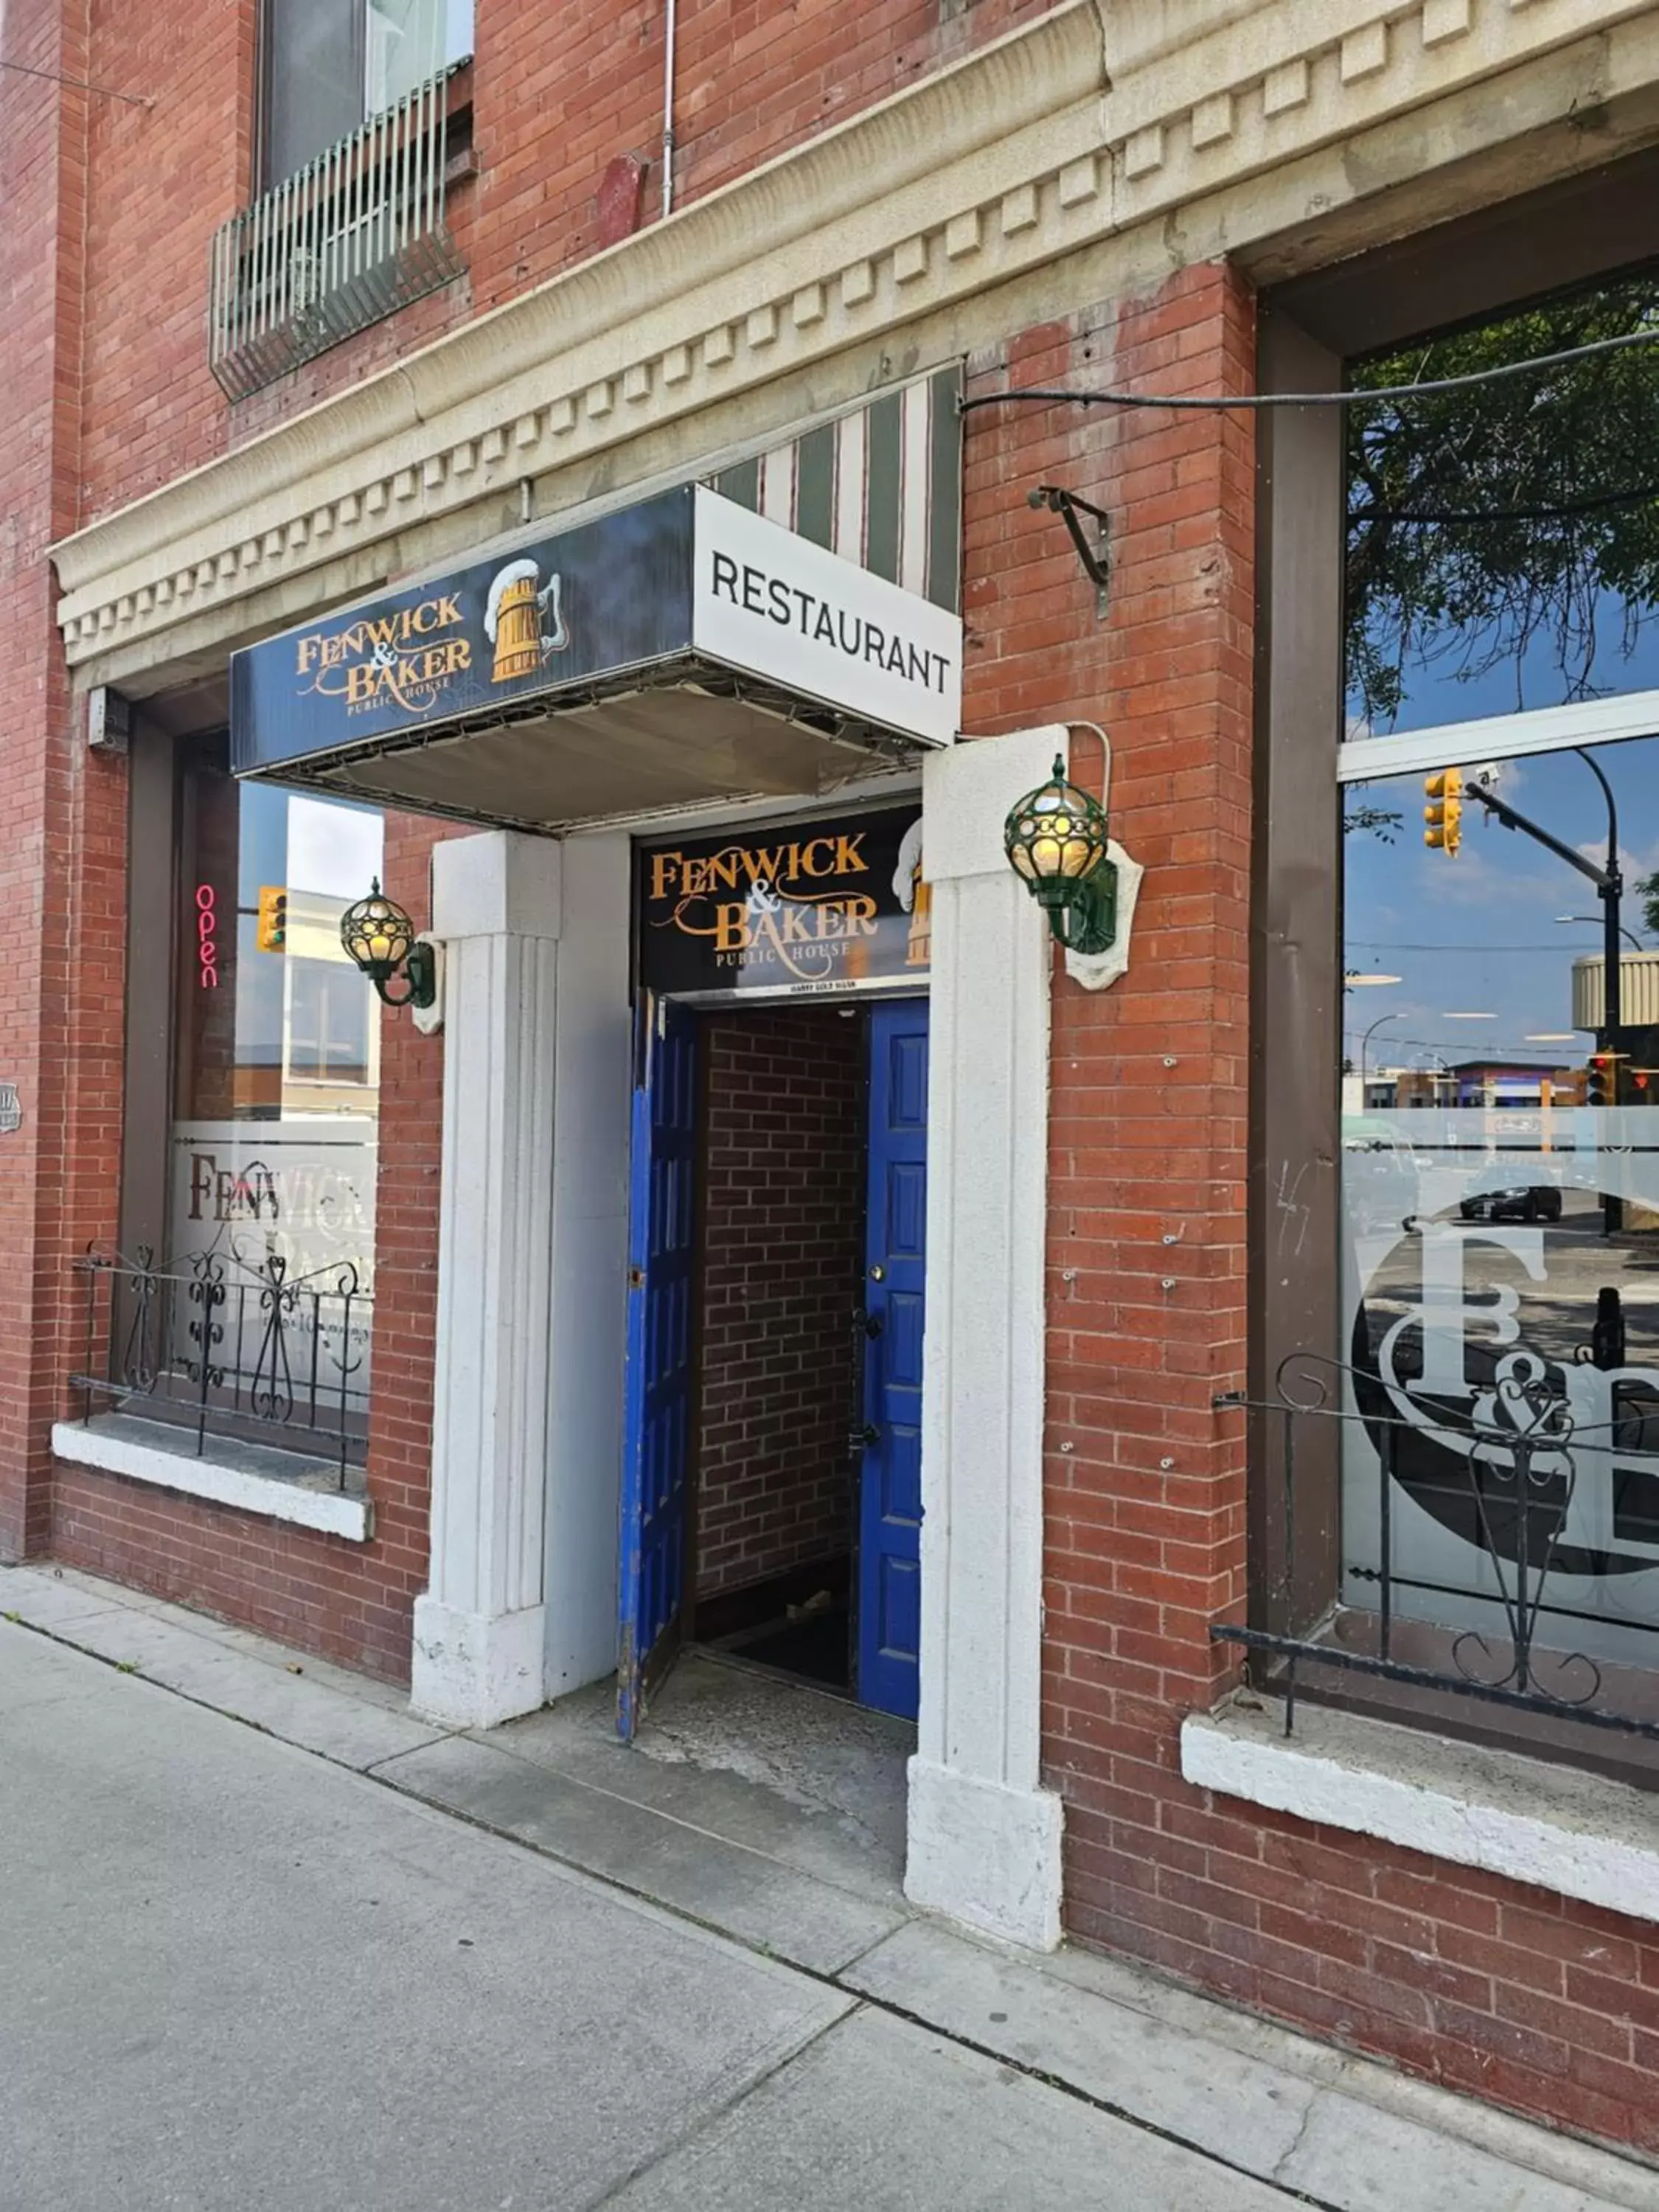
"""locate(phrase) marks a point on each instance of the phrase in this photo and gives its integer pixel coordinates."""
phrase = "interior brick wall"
(783, 1172)
(1488, 1986)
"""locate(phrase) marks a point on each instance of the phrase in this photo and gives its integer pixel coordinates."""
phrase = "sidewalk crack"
(705, 2121)
(1281, 2163)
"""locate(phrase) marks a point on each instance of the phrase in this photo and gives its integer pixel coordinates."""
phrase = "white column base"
(985, 1854)
(473, 1669)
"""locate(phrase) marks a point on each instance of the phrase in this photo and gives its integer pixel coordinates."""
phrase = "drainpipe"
(669, 43)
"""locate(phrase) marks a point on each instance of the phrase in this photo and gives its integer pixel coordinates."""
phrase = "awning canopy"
(676, 652)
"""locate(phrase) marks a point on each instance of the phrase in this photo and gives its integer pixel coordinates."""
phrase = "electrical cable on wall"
(78, 83)
(1253, 400)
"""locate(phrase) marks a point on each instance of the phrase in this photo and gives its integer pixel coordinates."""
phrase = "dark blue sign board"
(583, 607)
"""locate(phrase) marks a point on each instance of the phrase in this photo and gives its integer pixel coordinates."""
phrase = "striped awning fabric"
(881, 486)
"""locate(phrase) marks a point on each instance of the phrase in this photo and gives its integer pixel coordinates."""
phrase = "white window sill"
(1580, 1835)
(252, 1478)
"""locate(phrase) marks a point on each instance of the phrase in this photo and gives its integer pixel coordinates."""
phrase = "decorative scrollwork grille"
(216, 1343)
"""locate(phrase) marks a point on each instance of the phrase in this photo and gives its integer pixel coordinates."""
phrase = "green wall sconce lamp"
(1055, 838)
(379, 936)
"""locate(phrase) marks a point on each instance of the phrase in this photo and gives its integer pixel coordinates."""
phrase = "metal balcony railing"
(215, 1343)
(347, 239)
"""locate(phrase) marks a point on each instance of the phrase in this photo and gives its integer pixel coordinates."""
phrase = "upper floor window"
(351, 223)
(329, 65)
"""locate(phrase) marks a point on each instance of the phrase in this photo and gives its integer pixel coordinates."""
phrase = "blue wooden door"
(657, 1393)
(889, 1505)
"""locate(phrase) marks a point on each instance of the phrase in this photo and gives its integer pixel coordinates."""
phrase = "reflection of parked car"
(1516, 1202)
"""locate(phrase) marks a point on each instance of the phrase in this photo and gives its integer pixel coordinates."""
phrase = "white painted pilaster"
(983, 1838)
(480, 1626)
(593, 1099)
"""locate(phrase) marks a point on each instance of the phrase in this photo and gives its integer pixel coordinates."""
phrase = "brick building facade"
(863, 201)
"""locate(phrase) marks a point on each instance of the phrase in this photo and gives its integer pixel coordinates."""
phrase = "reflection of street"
(1507, 1375)
(1560, 1312)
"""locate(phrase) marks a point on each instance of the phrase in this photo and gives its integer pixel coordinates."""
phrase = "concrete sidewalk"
(235, 1970)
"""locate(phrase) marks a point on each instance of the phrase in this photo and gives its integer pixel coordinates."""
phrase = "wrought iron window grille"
(343, 242)
(232, 1347)
(1522, 1471)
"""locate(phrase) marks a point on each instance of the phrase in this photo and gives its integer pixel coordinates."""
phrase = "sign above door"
(838, 904)
(677, 650)
(768, 601)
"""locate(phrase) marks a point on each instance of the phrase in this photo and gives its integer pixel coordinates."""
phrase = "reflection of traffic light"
(1444, 814)
(1599, 1079)
(273, 919)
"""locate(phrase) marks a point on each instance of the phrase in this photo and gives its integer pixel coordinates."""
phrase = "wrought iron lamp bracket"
(420, 971)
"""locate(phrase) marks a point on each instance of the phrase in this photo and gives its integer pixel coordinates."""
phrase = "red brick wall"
(783, 1255)
(1488, 1986)
(162, 177)
(556, 103)
(63, 849)
(314, 1592)
(557, 95)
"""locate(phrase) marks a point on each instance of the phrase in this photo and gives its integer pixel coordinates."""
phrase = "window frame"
(1309, 327)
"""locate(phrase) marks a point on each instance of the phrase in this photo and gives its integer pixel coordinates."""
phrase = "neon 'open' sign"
(207, 942)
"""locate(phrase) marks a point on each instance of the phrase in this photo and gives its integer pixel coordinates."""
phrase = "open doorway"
(773, 1526)
(772, 1481)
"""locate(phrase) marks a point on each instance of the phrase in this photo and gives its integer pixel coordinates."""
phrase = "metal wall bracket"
(109, 720)
(1096, 559)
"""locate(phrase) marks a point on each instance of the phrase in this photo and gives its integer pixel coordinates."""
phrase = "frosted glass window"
(1500, 1250)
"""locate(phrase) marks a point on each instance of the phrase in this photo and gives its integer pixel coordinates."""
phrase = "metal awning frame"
(330, 773)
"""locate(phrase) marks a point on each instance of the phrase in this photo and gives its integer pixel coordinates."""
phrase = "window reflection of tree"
(1500, 518)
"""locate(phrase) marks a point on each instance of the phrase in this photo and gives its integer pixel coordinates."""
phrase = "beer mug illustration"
(512, 620)
(919, 947)
(914, 896)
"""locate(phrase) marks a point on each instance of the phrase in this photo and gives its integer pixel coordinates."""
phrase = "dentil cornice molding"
(1099, 117)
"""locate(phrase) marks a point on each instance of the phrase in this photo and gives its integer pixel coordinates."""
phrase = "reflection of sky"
(1478, 933)
(1437, 691)
(333, 848)
(303, 844)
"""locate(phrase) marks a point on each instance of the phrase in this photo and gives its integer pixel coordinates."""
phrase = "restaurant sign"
(829, 905)
(654, 594)
(589, 604)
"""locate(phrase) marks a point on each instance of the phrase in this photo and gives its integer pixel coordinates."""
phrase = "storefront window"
(1501, 1212)
(1503, 540)
(1500, 1171)
(1500, 1189)
(272, 1151)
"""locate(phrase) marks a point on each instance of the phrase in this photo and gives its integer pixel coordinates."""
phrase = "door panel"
(889, 1507)
(657, 1396)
